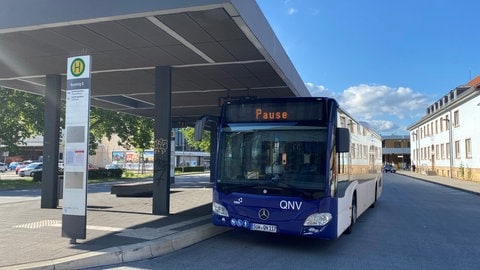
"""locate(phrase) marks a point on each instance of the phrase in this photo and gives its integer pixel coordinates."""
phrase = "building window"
(350, 123)
(457, 149)
(447, 148)
(436, 126)
(468, 148)
(456, 118)
(447, 123)
(437, 151)
(441, 124)
(442, 150)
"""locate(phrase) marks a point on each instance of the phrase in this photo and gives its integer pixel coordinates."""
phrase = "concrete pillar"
(51, 141)
(162, 143)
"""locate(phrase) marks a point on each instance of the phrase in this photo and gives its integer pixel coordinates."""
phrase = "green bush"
(104, 173)
(37, 176)
(93, 174)
(190, 169)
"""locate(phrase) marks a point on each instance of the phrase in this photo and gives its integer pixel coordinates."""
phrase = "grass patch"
(134, 175)
(19, 184)
(27, 182)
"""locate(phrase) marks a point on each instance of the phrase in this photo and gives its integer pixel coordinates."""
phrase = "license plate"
(263, 228)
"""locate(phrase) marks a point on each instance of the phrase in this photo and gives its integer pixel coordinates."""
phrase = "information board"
(76, 147)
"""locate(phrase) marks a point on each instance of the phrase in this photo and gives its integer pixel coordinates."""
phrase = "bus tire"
(353, 218)
(375, 199)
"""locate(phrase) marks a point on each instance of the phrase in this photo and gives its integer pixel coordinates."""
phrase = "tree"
(22, 117)
(203, 145)
(133, 131)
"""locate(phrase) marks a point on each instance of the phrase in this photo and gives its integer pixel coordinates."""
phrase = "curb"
(442, 184)
(128, 253)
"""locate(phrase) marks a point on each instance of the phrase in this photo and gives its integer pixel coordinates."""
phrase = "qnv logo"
(290, 205)
(77, 67)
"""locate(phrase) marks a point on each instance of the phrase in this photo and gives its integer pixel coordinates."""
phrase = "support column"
(162, 144)
(213, 150)
(51, 141)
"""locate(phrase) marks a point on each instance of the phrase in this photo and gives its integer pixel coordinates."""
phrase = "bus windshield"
(279, 156)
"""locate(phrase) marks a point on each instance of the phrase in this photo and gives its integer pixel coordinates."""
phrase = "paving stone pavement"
(119, 229)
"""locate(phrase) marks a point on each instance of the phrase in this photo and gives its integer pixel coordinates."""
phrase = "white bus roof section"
(217, 49)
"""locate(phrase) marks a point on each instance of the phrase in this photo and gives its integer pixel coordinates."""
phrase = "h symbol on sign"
(77, 67)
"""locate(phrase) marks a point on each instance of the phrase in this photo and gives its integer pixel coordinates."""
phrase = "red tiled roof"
(475, 81)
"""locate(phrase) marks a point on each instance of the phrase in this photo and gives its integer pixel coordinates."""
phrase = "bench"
(138, 189)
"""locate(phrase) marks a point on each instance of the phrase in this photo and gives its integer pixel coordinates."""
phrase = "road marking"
(39, 224)
(142, 233)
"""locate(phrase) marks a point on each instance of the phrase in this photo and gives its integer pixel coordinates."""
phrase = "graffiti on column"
(160, 148)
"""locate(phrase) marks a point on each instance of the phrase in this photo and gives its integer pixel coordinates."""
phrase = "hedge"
(190, 169)
(93, 174)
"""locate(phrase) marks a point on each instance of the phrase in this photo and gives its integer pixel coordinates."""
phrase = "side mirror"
(343, 140)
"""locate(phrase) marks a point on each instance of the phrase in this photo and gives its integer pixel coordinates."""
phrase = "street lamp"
(417, 158)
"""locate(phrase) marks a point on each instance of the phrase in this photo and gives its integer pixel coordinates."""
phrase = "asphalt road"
(415, 225)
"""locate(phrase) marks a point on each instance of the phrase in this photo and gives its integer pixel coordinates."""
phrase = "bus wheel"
(375, 199)
(353, 216)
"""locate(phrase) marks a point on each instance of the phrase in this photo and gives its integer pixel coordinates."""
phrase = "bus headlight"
(219, 209)
(318, 219)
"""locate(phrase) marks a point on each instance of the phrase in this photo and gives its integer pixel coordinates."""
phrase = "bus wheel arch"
(353, 215)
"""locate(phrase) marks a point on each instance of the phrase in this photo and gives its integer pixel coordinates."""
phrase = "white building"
(446, 141)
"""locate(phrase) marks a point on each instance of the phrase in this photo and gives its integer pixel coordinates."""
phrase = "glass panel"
(280, 156)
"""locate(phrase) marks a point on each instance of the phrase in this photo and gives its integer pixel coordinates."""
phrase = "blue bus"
(299, 166)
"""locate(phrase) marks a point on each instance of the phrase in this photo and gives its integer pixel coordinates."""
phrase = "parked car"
(112, 166)
(35, 170)
(13, 165)
(3, 167)
(19, 167)
(389, 168)
(32, 166)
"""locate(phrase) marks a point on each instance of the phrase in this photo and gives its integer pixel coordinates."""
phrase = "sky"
(384, 61)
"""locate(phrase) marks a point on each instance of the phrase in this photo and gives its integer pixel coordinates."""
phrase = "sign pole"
(74, 211)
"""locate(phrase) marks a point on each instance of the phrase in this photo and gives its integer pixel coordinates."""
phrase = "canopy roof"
(216, 48)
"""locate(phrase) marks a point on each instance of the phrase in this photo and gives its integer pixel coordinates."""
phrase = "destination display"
(272, 112)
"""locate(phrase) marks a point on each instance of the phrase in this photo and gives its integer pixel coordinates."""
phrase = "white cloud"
(371, 101)
(383, 126)
(319, 90)
(387, 109)
(291, 11)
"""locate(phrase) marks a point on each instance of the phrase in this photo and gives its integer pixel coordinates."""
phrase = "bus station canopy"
(217, 49)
